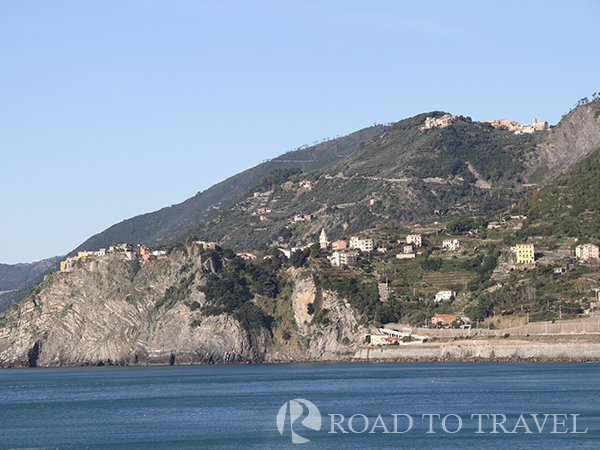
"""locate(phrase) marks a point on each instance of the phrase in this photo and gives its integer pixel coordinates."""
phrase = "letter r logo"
(312, 419)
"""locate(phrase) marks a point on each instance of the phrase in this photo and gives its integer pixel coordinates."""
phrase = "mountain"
(13, 275)
(196, 304)
(165, 224)
(408, 174)
(17, 279)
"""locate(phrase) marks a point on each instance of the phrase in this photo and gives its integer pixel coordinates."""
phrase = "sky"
(110, 109)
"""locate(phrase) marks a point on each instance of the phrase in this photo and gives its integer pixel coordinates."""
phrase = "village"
(434, 242)
(512, 125)
(126, 251)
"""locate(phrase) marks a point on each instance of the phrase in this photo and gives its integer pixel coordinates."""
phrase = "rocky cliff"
(113, 311)
(110, 310)
(574, 138)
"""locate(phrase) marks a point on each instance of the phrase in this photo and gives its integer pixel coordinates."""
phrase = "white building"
(451, 244)
(343, 258)
(414, 239)
(364, 245)
(444, 294)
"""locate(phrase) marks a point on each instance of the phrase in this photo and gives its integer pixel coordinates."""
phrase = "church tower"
(323, 240)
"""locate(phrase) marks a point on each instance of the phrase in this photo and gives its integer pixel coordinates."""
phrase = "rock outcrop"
(335, 338)
(112, 311)
(574, 138)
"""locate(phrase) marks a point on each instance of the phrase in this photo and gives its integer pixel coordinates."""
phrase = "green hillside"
(163, 225)
(403, 176)
(496, 154)
(570, 208)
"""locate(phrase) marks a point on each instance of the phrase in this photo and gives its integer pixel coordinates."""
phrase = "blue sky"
(111, 109)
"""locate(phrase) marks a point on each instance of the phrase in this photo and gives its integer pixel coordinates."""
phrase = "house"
(302, 218)
(382, 250)
(586, 252)
(246, 256)
(343, 259)
(493, 225)
(307, 184)
(451, 244)
(443, 319)
(525, 253)
(339, 245)
(147, 256)
(408, 249)
(444, 294)
(414, 239)
(101, 252)
(207, 245)
(66, 266)
(364, 245)
(287, 252)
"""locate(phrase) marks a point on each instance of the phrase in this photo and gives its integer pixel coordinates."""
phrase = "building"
(443, 319)
(364, 245)
(444, 121)
(405, 255)
(207, 245)
(302, 218)
(540, 126)
(444, 294)
(587, 252)
(525, 253)
(66, 266)
(451, 244)
(414, 239)
(408, 249)
(323, 242)
(246, 256)
(339, 245)
(343, 259)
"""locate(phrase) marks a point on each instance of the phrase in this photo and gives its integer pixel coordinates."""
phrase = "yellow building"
(525, 253)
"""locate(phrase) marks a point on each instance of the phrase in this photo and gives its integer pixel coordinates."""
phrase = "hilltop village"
(516, 127)
(125, 251)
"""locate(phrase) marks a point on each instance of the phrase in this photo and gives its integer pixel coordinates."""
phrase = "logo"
(312, 419)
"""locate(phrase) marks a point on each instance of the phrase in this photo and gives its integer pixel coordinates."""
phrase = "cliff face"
(109, 310)
(113, 311)
(574, 138)
(338, 337)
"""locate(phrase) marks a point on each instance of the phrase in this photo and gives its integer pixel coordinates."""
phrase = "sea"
(303, 406)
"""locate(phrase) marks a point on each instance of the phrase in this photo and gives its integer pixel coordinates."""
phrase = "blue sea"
(326, 406)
